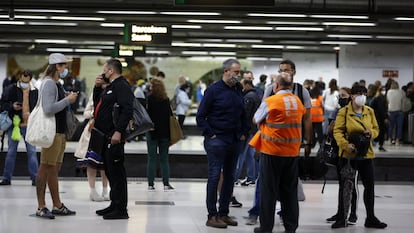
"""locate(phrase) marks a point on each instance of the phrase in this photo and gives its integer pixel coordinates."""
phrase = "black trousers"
(279, 181)
(115, 171)
(365, 168)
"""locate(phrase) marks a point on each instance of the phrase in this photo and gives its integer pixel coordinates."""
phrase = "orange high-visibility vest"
(280, 133)
(317, 110)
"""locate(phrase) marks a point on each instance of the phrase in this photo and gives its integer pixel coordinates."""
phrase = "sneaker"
(229, 221)
(33, 182)
(94, 196)
(237, 183)
(339, 224)
(215, 222)
(63, 210)
(151, 188)
(332, 219)
(352, 220)
(382, 149)
(248, 183)
(5, 182)
(251, 220)
(168, 188)
(44, 213)
(235, 203)
(374, 223)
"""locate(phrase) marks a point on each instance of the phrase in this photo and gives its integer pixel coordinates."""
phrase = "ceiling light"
(248, 28)
(17, 40)
(12, 22)
(298, 42)
(404, 18)
(88, 50)
(25, 16)
(350, 36)
(298, 29)
(396, 37)
(337, 48)
(93, 42)
(295, 47)
(212, 21)
(189, 13)
(113, 25)
(157, 51)
(77, 18)
(5, 45)
(349, 24)
(292, 23)
(182, 44)
(42, 10)
(243, 41)
(219, 45)
(340, 16)
(194, 52)
(100, 47)
(186, 26)
(267, 46)
(339, 42)
(276, 59)
(127, 12)
(277, 15)
(200, 58)
(223, 53)
(52, 24)
(48, 41)
(207, 40)
(59, 50)
(257, 58)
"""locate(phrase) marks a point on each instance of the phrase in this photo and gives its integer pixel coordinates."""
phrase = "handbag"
(72, 124)
(41, 128)
(5, 121)
(176, 133)
(140, 122)
(328, 152)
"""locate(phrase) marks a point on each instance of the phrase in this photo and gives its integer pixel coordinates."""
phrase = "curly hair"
(158, 89)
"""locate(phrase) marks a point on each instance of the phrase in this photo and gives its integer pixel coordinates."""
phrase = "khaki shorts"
(54, 154)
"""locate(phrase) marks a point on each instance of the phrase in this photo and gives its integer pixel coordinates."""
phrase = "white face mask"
(360, 100)
(24, 85)
(383, 92)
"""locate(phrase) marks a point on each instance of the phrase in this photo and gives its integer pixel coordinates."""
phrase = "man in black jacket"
(118, 91)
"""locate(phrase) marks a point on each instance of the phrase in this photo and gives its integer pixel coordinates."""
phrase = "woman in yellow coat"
(356, 117)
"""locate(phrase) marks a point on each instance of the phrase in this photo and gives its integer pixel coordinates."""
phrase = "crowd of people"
(260, 126)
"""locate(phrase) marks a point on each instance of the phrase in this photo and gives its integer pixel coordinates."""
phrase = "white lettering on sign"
(138, 37)
(149, 29)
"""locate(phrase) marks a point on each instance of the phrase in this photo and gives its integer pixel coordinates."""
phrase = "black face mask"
(343, 102)
(104, 78)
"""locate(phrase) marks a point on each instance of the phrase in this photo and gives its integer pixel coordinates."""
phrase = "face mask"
(24, 85)
(64, 73)
(383, 92)
(360, 100)
(104, 78)
(343, 102)
(233, 80)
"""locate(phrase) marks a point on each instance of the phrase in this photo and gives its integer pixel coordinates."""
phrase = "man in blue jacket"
(221, 117)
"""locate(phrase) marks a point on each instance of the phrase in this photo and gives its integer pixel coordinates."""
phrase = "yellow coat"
(353, 125)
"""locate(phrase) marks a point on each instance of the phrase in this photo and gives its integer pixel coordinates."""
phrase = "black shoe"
(259, 230)
(382, 149)
(116, 215)
(352, 220)
(332, 219)
(107, 210)
(33, 182)
(235, 203)
(375, 223)
(5, 182)
(339, 224)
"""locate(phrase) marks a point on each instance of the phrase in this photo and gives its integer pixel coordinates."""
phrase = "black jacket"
(119, 91)
(160, 112)
(14, 94)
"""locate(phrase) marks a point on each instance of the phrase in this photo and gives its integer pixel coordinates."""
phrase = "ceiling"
(253, 31)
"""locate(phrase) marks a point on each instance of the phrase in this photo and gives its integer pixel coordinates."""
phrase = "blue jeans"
(255, 210)
(221, 156)
(396, 120)
(32, 162)
(252, 166)
(328, 115)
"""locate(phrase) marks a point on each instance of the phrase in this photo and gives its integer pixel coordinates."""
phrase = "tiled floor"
(183, 211)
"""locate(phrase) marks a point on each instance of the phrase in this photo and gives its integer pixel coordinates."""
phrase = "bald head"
(283, 81)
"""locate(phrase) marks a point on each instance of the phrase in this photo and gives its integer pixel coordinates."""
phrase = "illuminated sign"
(129, 50)
(390, 73)
(149, 34)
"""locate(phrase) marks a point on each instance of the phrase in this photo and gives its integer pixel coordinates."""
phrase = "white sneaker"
(94, 196)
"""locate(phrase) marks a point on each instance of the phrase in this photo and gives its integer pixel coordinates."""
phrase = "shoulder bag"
(5, 121)
(176, 133)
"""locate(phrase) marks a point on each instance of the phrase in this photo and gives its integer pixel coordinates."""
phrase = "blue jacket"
(221, 112)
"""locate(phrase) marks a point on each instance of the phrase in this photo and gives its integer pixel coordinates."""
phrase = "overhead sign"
(149, 34)
(232, 3)
(129, 50)
(390, 73)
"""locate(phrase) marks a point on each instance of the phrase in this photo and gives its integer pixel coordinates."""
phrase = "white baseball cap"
(56, 58)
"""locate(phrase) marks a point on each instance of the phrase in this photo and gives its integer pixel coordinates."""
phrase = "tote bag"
(176, 134)
(41, 128)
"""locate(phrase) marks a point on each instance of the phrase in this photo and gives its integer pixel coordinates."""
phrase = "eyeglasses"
(285, 71)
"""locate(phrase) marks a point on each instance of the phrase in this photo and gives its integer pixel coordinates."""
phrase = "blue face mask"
(24, 85)
(64, 73)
